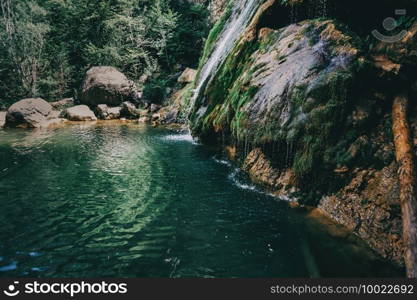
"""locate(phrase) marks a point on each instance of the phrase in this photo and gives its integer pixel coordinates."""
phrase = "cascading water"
(243, 10)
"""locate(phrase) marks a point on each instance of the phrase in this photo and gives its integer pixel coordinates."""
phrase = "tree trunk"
(406, 172)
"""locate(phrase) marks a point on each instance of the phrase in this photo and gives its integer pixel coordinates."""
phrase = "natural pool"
(135, 201)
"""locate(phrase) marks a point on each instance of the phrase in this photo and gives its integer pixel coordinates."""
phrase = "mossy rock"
(293, 86)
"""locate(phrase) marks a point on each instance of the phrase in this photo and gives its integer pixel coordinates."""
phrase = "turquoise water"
(133, 201)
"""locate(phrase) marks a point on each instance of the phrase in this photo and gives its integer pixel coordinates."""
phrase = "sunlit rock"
(187, 76)
(107, 85)
(28, 113)
(80, 113)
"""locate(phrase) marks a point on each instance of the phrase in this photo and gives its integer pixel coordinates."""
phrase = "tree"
(46, 46)
(407, 178)
(23, 38)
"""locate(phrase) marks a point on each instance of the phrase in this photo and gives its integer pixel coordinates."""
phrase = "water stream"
(243, 10)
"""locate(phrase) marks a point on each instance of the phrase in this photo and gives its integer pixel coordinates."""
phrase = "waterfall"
(242, 13)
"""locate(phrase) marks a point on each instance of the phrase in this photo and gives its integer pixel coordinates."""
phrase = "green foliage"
(47, 45)
(229, 92)
(22, 44)
(156, 88)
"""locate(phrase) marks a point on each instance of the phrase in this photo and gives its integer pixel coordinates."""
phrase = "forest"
(49, 44)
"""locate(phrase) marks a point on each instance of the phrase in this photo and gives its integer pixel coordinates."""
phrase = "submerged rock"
(80, 113)
(107, 85)
(28, 113)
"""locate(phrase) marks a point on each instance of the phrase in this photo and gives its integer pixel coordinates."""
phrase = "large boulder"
(80, 113)
(106, 85)
(28, 113)
(105, 112)
(297, 81)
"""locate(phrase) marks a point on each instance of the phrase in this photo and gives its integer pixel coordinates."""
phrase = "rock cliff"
(300, 92)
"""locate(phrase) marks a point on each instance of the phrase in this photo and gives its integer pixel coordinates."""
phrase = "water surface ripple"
(133, 201)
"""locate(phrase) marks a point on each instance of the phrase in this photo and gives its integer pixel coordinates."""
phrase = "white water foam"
(222, 162)
(181, 137)
(234, 178)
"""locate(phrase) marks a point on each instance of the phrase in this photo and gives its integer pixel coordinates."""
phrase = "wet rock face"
(261, 171)
(28, 113)
(310, 91)
(106, 85)
(369, 206)
(287, 86)
(296, 65)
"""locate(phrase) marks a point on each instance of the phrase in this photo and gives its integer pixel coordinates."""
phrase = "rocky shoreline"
(368, 207)
(106, 94)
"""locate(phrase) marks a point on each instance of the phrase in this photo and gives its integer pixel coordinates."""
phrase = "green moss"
(317, 131)
(229, 91)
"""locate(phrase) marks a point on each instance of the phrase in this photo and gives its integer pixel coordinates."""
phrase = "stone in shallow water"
(80, 113)
(29, 113)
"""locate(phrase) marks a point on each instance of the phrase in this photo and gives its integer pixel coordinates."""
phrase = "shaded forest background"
(47, 45)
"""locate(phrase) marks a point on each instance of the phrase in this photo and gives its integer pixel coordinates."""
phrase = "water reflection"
(92, 201)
